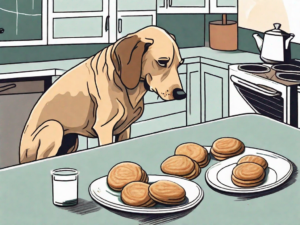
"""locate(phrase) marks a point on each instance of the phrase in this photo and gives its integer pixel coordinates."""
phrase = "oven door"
(260, 98)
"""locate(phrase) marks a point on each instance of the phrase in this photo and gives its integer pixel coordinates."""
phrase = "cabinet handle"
(170, 3)
(1, 30)
(120, 25)
(107, 23)
(7, 87)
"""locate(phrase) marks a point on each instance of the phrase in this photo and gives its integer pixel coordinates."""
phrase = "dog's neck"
(135, 95)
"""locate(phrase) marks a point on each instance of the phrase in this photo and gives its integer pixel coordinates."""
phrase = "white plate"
(219, 175)
(102, 194)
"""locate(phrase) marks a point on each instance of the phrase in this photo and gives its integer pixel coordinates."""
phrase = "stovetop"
(286, 74)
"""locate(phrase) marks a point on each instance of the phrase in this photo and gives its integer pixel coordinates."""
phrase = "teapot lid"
(277, 31)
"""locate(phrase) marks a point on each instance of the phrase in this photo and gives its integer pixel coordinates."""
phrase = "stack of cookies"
(250, 171)
(137, 194)
(187, 162)
(225, 148)
(124, 173)
(167, 192)
(180, 165)
(195, 151)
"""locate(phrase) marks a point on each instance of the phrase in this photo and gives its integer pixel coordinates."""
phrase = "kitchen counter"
(26, 191)
(191, 55)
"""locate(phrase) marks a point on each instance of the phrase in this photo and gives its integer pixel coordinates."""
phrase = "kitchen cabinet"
(182, 6)
(76, 21)
(132, 21)
(24, 22)
(223, 6)
(193, 100)
(136, 5)
(214, 92)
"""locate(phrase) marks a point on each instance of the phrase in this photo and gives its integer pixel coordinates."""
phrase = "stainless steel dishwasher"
(17, 99)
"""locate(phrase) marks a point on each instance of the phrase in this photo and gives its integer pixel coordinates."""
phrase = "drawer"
(162, 109)
(77, 5)
(158, 124)
(151, 97)
(22, 87)
(77, 27)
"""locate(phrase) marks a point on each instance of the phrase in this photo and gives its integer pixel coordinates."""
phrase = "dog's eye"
(163, 63)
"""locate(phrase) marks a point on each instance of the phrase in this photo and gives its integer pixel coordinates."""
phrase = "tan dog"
(103, 95)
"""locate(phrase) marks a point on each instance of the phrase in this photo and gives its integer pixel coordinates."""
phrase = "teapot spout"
(259, 41)
(287, 41)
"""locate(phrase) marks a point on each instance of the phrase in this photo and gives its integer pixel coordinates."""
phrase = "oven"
(263, 94)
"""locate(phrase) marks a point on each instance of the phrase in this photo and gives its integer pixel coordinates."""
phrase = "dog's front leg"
(124, 135)
(105, 135)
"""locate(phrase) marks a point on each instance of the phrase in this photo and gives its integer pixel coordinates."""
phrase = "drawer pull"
(7, 87)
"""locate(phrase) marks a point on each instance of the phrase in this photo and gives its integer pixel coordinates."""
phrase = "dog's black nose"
(179, 94)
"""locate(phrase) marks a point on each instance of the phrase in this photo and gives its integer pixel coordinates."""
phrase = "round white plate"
(219, 175)
(102, 194)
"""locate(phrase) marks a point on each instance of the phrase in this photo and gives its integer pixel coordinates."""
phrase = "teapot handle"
(277, 26)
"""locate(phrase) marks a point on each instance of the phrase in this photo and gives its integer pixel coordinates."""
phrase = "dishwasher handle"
(255, 87)
(7, 87)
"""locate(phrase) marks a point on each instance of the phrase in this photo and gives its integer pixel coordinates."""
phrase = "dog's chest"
(129, 116)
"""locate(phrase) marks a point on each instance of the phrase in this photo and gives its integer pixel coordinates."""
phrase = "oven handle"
(254, 87)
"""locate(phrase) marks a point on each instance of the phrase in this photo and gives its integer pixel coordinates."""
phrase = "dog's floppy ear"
(127, 59)
(172, 36)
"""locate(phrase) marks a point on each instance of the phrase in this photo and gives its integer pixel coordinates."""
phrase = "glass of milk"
(65, 186)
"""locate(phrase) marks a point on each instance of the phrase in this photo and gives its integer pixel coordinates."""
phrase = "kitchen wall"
(188, 30)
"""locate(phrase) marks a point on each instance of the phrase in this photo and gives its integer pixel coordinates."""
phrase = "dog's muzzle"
(179, 94)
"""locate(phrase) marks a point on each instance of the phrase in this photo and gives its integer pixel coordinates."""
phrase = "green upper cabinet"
(24, 22)
(214, 92)
(182, 6)
(136, 5)
(223, 6)
(131, 21)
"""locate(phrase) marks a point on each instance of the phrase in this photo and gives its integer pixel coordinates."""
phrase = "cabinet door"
(183, 6)
(214, 92)
(76, 21)
(136, 5)
(130, 22)
(223, 6)
(24, 22)
(193, 94)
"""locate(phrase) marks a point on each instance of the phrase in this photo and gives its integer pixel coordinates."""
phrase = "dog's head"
(150, 55)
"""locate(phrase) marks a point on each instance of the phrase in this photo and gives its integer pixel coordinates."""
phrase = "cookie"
(195, 173)
(205, 163)
(225, 148)
(178, 165)
(167, 192)
(122, 174)
(248, 175)
(145, 177)
(137, 194)
(254, 159)
(194, 151)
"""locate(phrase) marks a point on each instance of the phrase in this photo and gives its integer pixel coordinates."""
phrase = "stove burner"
(252, 68)
(293, 77)
(286, 68)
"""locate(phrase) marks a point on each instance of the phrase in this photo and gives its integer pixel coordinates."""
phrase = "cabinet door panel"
(130, 23)
(213, 91)
(223, 6)
(193, 94)
(186, 3)
(138, 5)
(78, 27)
(77, 5)
(226, 3)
